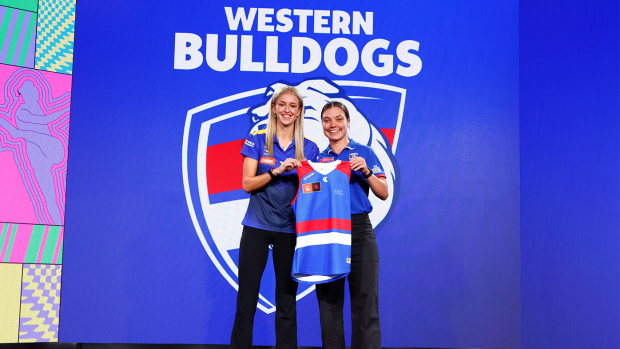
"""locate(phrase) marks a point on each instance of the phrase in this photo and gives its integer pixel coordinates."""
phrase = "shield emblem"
(212, 166)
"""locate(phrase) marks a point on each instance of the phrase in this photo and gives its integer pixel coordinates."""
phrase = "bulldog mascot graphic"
(215, 132)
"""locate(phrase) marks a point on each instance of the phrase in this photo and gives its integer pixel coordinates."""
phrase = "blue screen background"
(570, 183)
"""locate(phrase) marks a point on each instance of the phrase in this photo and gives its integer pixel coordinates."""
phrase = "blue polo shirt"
(270, 207)
(358, 185)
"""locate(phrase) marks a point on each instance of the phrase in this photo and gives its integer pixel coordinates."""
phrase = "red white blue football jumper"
(323, 212)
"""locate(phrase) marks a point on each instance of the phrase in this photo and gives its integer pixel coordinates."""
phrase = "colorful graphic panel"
(30, 5)
(10, 288)
(55, 36)
(40, 302)
(26, 243)
(34, 135)
(17, 33)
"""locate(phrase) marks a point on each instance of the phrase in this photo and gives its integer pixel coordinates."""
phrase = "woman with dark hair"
(366, 175)
(271, 157)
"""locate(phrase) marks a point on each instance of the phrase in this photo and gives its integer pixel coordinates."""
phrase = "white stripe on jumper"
(323, 239)
(312, 278)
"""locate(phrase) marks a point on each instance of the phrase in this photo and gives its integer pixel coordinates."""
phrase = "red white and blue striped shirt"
(323, 212)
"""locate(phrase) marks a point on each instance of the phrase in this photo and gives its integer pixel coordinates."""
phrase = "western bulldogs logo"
(216, 131)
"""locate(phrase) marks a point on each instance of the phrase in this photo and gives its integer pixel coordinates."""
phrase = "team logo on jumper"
(352, 156)
(216, 131)
(311, 187)
(267, 161)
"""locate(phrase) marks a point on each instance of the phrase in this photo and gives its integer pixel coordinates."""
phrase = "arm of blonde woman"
(378, 185)
(252, 182)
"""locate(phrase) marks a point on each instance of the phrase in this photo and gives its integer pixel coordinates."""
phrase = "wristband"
(368, 175)
(271, 173)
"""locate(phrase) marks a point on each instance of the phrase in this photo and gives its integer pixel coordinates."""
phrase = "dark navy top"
(358, 186)
(270, 207)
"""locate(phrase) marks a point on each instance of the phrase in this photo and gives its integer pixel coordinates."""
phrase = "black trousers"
(363, 289)
(253, 253)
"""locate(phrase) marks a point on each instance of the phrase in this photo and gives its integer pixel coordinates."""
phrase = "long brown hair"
(299, 122)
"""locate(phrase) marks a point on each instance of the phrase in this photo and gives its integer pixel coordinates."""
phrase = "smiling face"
(287, 109)
(335, 125)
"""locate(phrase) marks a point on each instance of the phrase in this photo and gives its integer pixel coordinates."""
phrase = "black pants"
(364, 292)
(253, 253)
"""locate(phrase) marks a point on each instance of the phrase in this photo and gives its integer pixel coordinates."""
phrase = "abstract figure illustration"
(34, 126)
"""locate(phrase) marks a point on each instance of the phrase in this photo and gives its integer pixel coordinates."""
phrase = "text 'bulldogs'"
(306, 54)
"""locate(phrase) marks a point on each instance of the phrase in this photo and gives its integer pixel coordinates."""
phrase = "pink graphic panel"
(34, 137)
(15, 204)
(20, 243)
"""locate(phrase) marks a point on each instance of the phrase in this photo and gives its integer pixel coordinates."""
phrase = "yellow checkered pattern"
(55, 35)
(40, 302)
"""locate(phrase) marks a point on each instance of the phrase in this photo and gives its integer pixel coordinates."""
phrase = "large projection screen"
(163, 97)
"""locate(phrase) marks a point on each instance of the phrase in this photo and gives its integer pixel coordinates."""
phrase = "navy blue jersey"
(323, 211)
(270, 207)
(359, 186)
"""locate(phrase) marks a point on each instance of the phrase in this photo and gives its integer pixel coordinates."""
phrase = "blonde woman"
(271, 157)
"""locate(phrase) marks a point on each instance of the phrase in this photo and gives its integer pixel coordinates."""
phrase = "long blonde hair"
(299, 122)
